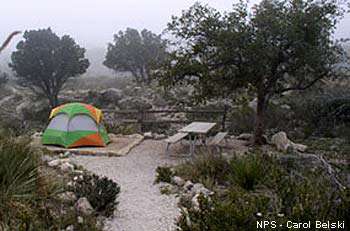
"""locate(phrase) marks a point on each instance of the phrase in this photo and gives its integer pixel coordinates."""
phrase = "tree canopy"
(44, 62)
(138, 53)
(277, 46)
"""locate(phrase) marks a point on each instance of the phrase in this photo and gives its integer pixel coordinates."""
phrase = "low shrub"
(261, 187)
(246, 171)
(164, 174)
(100, 192)
(205, 167)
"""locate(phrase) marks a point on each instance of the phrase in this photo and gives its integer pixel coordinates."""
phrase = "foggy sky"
(92, 23)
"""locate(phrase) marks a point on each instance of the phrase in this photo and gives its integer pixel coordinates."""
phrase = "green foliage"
(205, 167)
(44, 62)
(268, 50)
(261, 187)
(3, 79)
(246, 171)
(100, 192)
(164, 174)
(18, 171)
(138, 53)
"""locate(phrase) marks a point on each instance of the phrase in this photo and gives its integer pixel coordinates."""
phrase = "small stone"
(178, 181)
(78, 172)
(195, 202)
(67, 196)
(188, 185)
(159, 136)
(46, 158)
(67, 167)
(80, 220)
(54, 163)
(83, 206)
(285, 106)
(70, 228)
(148, 135)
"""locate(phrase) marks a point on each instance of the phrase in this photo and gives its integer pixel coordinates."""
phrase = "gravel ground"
(141, 206)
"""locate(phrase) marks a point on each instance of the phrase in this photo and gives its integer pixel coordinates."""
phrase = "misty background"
(92, 23)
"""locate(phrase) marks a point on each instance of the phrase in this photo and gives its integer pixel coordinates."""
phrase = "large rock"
(282, 143)
(200, 189)
(111, 95)
(245, 136)
(83, 206)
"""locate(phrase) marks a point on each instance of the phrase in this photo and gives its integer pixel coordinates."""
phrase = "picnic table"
(196, 129)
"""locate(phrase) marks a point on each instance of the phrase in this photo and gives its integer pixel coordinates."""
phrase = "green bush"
(205, 167)
(100, 192)
(261, 187)
(18, 171)
(246, 171)
(164, 174)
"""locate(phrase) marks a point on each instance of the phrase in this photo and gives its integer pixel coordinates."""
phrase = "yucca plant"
(246, 171)
(18, 171)
(18, 179)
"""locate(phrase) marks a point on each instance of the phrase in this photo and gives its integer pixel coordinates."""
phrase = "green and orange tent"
(75, 125)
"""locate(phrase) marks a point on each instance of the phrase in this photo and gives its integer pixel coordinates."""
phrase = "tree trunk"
(53, 100)
(260, 116)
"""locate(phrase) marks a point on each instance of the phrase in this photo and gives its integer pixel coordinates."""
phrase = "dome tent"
(75, 125)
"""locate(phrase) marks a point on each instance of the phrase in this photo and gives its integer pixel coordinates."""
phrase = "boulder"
(245, 136)
(83, 206)
(282, 143)
(199, 188)
(178, 181)
(111, 95)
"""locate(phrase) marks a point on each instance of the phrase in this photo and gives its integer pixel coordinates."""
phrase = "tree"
(44, 62)
(138, 53)
(277, 47)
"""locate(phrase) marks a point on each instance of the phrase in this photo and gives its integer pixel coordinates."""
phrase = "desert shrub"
(100, 192)
(205, 167)
(164, 174)
(287, 191)
(246, 171)
(3, 79)
(18, 171)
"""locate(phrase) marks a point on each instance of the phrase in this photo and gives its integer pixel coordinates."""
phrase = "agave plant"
(18, 171)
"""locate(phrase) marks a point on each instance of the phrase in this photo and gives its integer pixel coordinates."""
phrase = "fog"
(92, 23)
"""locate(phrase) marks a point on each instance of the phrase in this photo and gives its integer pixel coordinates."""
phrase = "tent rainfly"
(75, 125)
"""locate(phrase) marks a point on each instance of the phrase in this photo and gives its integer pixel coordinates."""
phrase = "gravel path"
(141, 206)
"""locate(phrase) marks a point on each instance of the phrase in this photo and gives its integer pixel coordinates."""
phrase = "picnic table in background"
(195, 130)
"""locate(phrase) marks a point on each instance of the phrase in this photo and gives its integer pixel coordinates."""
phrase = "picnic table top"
(198, 127)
